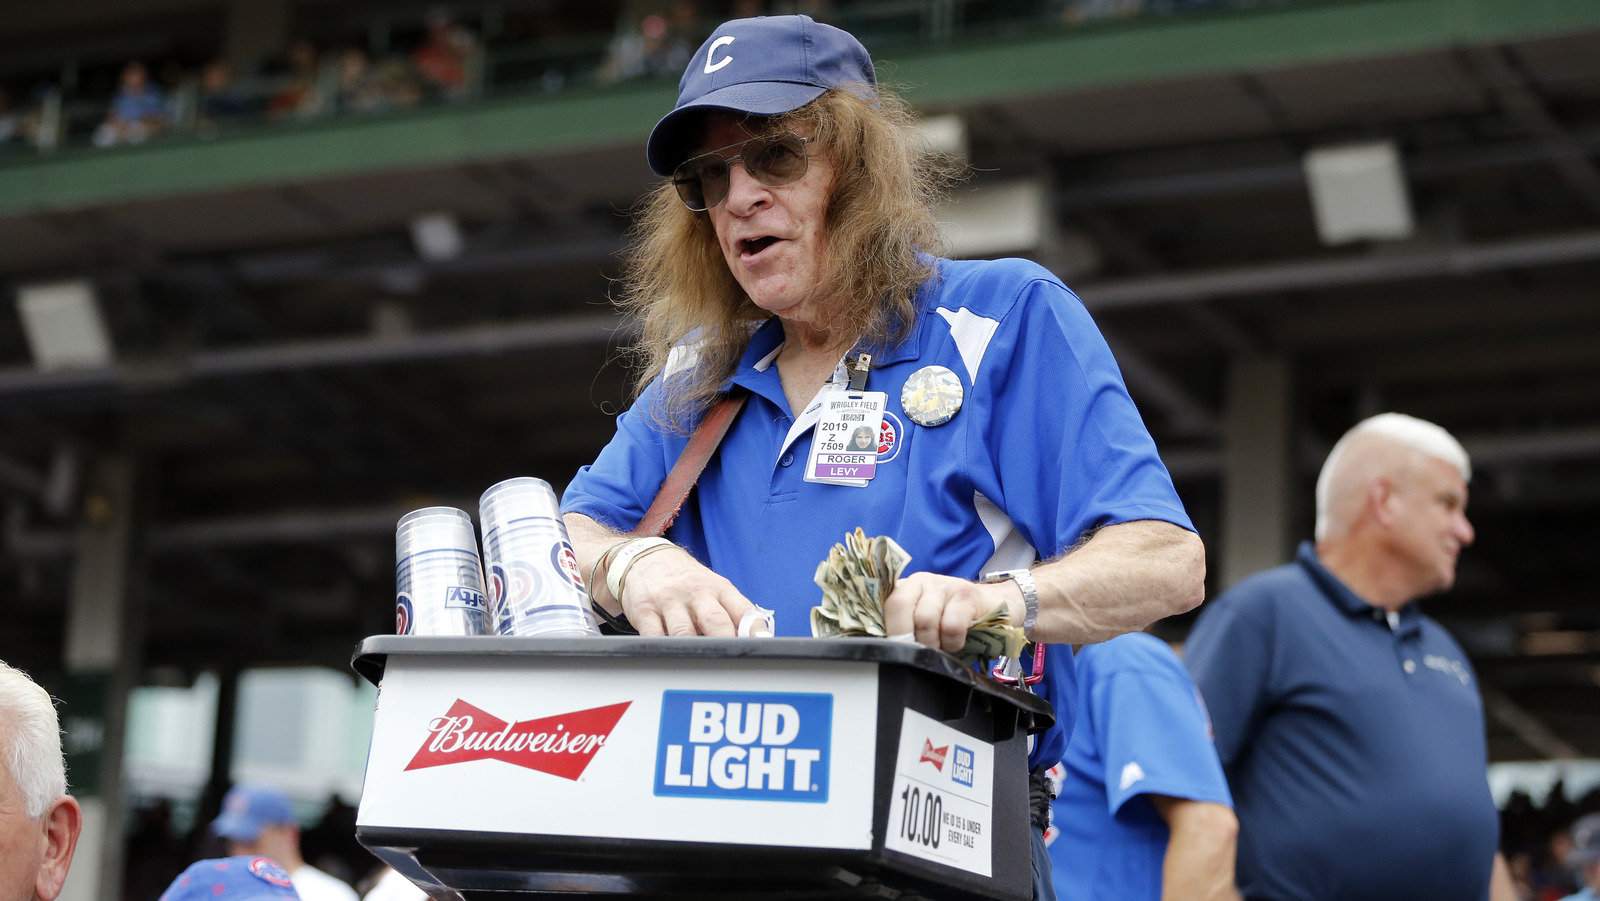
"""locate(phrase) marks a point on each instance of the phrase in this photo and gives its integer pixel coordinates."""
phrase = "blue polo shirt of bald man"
(1355, 750)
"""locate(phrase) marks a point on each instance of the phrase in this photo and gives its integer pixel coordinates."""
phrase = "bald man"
(1350, 725)
(39, 821)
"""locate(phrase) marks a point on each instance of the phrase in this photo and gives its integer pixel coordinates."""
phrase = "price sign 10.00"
(921, 816)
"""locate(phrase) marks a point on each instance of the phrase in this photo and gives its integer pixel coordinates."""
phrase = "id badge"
(844, 445)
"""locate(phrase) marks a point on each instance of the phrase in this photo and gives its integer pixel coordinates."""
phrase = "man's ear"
(62, 824)
(1380, 499)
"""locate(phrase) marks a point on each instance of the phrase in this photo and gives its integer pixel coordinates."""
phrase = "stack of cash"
(855, 579)
(860, 573)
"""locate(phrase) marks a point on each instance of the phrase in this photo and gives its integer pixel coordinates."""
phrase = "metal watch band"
(1030, 594)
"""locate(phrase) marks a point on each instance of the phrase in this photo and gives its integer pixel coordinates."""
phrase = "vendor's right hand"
(671, 593)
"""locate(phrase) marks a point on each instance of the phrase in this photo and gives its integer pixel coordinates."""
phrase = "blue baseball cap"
(762, 66)
(232, 879)
(1585, 841)
(248, 807)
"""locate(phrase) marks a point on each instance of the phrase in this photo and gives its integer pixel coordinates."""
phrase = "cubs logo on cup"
(402, 615)
(565, 561)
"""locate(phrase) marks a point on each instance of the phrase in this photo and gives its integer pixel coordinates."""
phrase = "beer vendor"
(788, 255)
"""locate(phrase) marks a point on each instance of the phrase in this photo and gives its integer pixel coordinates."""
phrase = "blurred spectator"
(1076, 11)
(258, 819)
(138, 111)
(221, 103)
(301, 92)
(1538, 845)
(358, 91)
(10, 120)
(658, 46)
(1584, 858)
(242, 878)
(367, 88)
(443, 60)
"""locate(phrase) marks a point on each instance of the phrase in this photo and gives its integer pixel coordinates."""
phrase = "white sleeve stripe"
(972, 334)
(1011, 550)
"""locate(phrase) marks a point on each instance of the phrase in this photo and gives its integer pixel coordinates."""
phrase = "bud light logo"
(460, 597)
(962, 770)
(767, 747)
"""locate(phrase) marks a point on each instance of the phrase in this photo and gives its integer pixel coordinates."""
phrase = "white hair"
(30, 742)
(1408, 431)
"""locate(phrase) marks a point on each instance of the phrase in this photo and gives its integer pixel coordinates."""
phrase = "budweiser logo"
(933, 755)
(560, 745)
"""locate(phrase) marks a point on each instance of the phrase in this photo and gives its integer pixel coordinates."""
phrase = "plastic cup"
(535, 586)
(438, 575)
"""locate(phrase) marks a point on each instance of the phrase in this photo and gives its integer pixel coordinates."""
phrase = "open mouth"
(753, 246)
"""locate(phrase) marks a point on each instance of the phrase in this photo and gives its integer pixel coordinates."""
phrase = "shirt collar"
(1350, 603)
(911, 347)
(768, 337)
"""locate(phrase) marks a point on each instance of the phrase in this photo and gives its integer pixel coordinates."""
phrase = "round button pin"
(932, 396)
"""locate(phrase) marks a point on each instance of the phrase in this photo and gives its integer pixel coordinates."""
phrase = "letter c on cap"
(719, 42)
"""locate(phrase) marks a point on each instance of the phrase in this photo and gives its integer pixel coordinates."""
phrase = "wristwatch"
(1030, 594)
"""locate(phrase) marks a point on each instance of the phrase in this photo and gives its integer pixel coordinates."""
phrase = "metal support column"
(1257, 468)
(102, 658)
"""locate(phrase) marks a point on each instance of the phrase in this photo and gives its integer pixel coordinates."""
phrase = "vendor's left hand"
(938, 610)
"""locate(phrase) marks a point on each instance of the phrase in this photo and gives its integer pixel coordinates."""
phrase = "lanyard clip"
(858, 372)
(1008, 670)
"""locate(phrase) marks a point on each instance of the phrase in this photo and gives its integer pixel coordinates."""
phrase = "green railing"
(60, 120)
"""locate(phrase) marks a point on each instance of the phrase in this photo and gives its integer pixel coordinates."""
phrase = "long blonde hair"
(880, 227)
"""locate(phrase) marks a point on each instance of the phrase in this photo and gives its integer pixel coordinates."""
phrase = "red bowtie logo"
(561, 745)
(933, 755)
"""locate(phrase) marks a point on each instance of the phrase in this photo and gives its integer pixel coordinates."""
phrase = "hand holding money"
(858, 577)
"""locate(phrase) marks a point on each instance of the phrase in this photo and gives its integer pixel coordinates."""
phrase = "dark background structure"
(291, 374)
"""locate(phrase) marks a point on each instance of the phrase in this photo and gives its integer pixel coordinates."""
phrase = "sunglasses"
(773, 160)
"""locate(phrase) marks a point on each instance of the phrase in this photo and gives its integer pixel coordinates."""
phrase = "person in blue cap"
(242, 878)
(790, 256)
(258, 819)
(1584, 858)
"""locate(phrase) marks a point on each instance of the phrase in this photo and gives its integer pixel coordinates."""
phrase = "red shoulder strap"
(702, 444)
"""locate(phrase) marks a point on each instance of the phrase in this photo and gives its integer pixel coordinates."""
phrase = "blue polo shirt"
(1355, 751)
(1142, 730)
(1045, 446)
